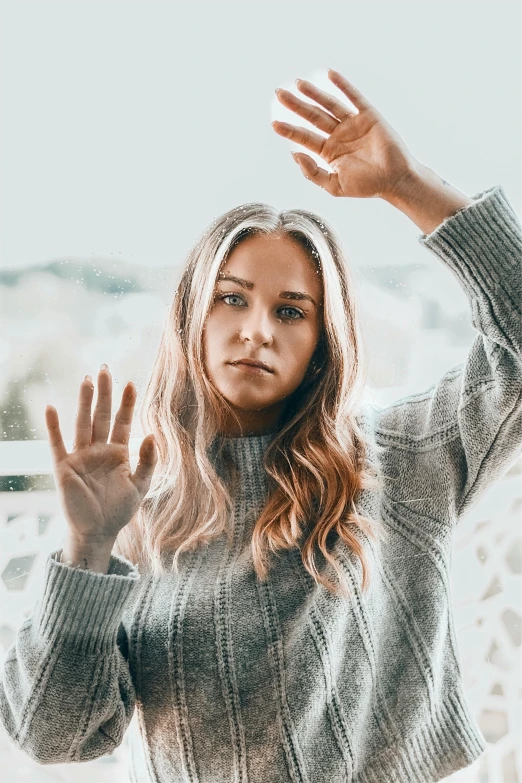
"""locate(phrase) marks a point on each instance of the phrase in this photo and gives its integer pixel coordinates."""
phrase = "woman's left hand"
(368, 157)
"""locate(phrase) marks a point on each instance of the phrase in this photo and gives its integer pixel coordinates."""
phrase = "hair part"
(317, 459)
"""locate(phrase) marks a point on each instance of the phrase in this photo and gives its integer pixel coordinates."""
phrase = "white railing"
(33, 457)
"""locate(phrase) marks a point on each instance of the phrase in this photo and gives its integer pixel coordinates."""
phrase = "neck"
(252, 424)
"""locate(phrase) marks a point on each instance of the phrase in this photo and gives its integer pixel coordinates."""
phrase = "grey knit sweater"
(238, 680)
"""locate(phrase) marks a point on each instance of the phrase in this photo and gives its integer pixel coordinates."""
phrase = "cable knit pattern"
(237, 680)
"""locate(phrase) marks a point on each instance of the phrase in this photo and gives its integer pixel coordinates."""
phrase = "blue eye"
(300, 313)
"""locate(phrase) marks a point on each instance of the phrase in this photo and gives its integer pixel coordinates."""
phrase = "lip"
(253, 368)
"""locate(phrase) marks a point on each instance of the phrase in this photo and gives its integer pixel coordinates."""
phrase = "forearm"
(83, 705)
(427, 199)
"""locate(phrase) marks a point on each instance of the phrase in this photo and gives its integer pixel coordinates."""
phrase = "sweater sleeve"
(446, 445)
(66, 692)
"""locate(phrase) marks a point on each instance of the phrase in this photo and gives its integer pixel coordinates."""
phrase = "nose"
(256, 328)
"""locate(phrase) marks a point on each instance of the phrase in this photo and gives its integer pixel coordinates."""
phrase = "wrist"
(407, 184)
(426, 198)
(418, 181)
(94, 543)
(87, 553)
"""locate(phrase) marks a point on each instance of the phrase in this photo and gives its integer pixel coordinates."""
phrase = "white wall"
(127, 126)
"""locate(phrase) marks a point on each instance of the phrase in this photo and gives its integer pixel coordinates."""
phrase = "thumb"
(145, 467)
(307, 164)
(316, 174)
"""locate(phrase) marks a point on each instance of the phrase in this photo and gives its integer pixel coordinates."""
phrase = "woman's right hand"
(97, 489)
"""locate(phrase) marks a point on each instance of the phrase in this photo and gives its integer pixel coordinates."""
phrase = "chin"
(245, 401)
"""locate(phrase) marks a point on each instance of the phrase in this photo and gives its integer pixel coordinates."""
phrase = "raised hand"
(368, 157)
(99, 493)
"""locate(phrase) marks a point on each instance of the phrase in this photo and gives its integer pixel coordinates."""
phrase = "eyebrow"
(298, 295)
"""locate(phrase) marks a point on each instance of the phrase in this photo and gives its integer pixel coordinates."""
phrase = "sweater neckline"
(248, 444)
(247, 453)
(253, 437)
(244, 440)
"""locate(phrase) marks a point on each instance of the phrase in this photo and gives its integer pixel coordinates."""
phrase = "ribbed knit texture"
(238, 680)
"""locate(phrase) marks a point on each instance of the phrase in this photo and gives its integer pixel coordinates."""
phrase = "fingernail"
(88, 378)
(104, 367)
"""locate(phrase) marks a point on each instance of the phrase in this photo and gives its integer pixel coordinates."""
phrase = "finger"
(312, 141)
(319, 176)
(102, 413)
(335, 107)
(82, 430)
(58, 450)
(351, 92)
(145, 467)
(123, 420)
(307, 111)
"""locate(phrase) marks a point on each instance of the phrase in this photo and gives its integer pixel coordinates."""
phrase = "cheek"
(300, 347)
(215, 336)
(221, 326)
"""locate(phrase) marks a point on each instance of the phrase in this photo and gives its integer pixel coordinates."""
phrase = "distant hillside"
(95, 275)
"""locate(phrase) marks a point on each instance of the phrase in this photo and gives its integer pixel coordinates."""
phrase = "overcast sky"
(126, 127)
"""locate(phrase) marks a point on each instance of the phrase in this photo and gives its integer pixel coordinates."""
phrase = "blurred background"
(126, 128)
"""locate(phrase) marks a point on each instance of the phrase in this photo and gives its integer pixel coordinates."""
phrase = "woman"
(294, 623)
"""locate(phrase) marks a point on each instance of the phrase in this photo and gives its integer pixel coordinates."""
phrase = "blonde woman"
(269, 590)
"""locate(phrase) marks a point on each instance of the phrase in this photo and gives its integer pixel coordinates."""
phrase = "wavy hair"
(317, 460)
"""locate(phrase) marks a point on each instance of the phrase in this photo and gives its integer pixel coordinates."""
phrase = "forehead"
(276, 259)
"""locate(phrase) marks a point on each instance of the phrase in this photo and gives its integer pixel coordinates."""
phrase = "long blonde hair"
(316, 460)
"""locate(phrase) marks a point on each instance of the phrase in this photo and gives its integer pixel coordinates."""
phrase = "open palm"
(98, 491)
(367, 155)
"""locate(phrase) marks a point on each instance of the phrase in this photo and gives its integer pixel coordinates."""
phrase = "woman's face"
(261, 318)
